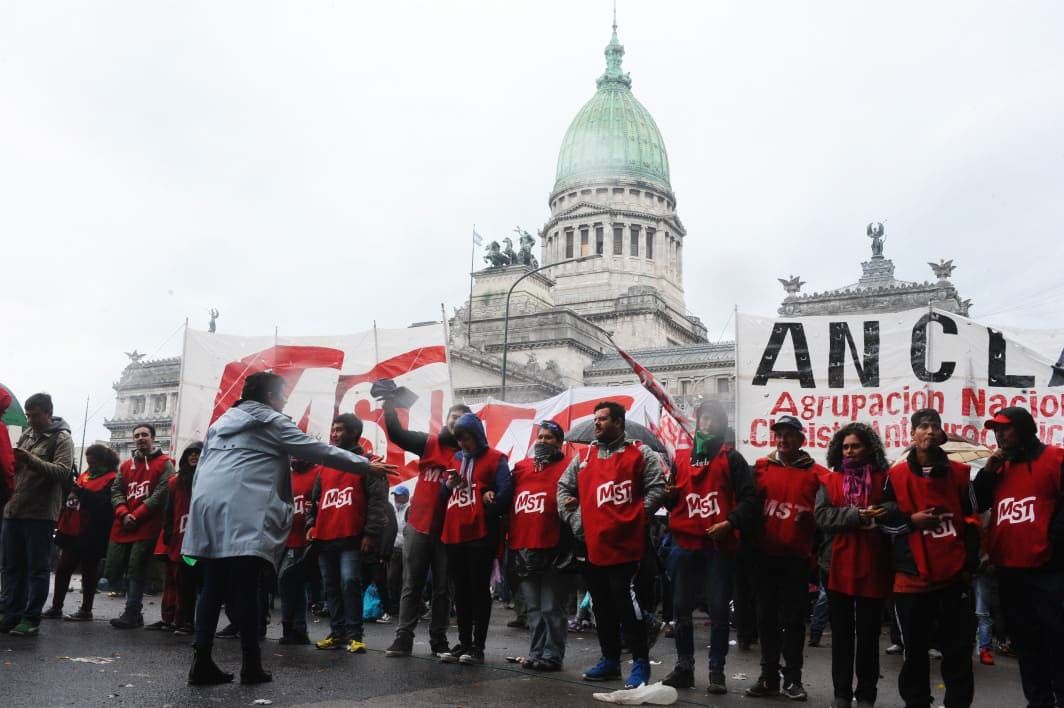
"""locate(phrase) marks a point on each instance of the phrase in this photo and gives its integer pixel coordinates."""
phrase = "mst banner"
(878, 369)
(325, 375)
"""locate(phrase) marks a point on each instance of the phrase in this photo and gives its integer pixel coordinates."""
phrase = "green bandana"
(703, 443)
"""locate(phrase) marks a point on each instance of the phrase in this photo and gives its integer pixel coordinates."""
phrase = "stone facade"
(146, 393)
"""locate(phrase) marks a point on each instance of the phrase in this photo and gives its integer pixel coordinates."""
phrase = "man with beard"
(606, 496)
(1022, 485)
(138, 496)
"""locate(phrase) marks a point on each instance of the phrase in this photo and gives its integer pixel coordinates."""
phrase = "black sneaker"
(454, 655)
(229, 632)
(402, 646)
(680, 678)
(762, 689)
(716, 686)
(160, 626)
(472, 657)
(438, 649)
(52, 613)
(795, 691)
(128, 621)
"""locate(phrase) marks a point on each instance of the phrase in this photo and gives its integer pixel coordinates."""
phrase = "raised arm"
(409, 440)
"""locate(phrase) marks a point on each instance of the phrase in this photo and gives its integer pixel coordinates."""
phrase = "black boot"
(204, 671)
(286, 633)
(251, 670)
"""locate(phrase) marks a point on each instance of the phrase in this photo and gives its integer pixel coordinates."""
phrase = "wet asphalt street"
(146, 668)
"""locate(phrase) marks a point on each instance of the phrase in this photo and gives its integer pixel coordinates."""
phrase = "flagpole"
(376, 363)
(84, 426)
(180, 384)
(469, 310)
(735, 319)
(447, 349)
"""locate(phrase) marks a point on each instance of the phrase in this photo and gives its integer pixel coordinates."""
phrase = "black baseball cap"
(925, 414)
(788, 421)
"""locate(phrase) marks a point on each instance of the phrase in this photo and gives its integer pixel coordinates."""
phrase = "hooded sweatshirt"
(40, 483)
(467, 517)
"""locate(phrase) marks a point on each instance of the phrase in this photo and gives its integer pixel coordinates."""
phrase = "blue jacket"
(469, 422)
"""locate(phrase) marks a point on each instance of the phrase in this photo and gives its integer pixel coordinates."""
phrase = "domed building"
(613, 256)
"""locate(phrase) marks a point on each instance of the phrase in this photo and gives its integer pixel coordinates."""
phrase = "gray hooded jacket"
(242, 492)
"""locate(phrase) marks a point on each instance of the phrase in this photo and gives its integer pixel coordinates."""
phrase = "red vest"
(790, 495)
(535, 522)
(611, 505)
(180, 497)
(860, 558)
(1025, 500)
(71, 521)
(302, 486)
(705, 498)
(342, 506)
(426, 501)
(939, 553)
(139, 478)
(464, 520)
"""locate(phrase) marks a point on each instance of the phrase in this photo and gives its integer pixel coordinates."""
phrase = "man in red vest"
(606, 496)
(1022, 485)
(712, 496)
(138, 496)
(929, 503)
(348, 517)
(787, 482)
(422, 549)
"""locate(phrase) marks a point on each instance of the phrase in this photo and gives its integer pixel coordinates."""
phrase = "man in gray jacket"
(241, 514)
(43, 460)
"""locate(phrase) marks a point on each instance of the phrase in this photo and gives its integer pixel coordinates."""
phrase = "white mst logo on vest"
(1015, 511)
(704, 506)
(138, 490)
(299, 505)
(463, 496)
(432, 474)
(616, 493)
(336, 498)
(784, 510)
(529, 503)
(945, 528)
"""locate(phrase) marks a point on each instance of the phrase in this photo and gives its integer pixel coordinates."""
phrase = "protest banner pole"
(84, 427)
(376, 363)
(735, 384)
(174, 429)
(447, 349)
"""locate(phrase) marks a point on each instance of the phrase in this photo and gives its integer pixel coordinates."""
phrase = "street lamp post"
(506, 317)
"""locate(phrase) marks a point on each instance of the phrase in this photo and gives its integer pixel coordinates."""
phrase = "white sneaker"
(384, 619)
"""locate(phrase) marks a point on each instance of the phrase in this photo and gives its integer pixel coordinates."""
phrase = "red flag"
(651, 384)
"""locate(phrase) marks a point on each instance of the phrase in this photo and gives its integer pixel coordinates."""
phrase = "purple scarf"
(856, 482)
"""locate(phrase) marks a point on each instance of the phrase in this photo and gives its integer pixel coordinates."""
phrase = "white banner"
(325, 376)
(880, 368)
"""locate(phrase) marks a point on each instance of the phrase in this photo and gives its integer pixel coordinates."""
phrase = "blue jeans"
(545, 595)
(27, 545)
(820, 609)
(984, 595)
(713, 571)
(341, 573)
(293, 586)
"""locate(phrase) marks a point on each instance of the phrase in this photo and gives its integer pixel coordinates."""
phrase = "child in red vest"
(348, 517)
(138, 496)
(1022, 486)
(787, 482)
(854, 559)
(606, 496)
(477, 494)
(82, 531)
(930, 513)
(537, 541)
(293, 573)
(712, 497)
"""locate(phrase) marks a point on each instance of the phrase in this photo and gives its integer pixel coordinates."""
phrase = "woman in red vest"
(537, 542)
(174, 520)
(1022, 486)
(84, 525)
(930, 506)
(854, 559)
(477, 494)
(787, 482)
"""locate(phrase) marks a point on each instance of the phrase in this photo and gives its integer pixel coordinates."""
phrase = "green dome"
(613, 136)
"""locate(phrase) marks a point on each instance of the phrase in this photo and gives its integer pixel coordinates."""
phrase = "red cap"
(999, 419)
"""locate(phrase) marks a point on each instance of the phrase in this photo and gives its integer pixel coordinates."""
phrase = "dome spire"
(614, 77)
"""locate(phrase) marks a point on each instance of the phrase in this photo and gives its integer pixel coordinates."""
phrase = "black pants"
(1033, 602)
(469, 566)
(616, 609)
(951, 611)
(189, 585)
(782, 600)
(234, 582)
(745, 597)
(854, 617)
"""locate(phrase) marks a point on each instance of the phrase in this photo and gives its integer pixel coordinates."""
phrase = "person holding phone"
(929, 500)
(854, 559)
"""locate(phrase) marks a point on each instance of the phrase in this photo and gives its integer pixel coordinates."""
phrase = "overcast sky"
(316, 166)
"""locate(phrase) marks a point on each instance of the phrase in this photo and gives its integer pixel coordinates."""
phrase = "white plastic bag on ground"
(657, 694)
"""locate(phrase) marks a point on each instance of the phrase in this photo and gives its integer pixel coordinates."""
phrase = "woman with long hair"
(854, 559)
(82, 532)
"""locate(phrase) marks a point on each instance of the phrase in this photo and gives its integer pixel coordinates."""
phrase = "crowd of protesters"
(260, 508)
